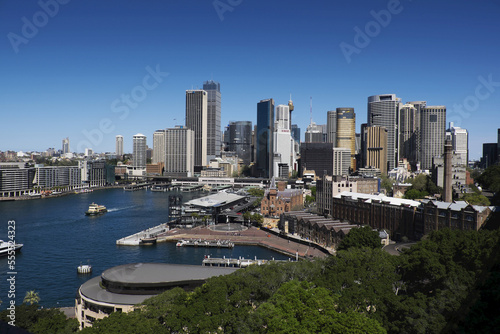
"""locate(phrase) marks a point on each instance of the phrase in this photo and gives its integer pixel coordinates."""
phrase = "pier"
(134, 187)
(145, 236)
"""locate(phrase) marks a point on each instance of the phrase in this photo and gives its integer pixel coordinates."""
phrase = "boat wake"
(119, 209)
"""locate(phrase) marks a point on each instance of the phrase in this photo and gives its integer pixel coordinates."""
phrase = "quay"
(252, 236)
(134, 187)
(205, 243)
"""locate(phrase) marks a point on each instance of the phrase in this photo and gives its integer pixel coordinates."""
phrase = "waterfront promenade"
(251, 236)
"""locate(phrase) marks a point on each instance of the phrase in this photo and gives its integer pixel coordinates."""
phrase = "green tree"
(476, 199)
(415, 194)
(490, 178)
(387, 183)
(361, 237)
(31, 297)
(300, 307)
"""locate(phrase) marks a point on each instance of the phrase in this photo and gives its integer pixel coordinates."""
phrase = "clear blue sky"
(69, 75)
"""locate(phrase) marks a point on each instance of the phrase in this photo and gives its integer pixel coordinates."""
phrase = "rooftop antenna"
(311, 108)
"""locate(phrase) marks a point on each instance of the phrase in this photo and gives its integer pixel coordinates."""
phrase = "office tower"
(490, 153)
(383, 111)
(213, 118)
(331, 127)
(433, 128)
(362, 162)
(119, 145)
(341, 161)
(317, 157)
(240, 140)
(346, 132)
(159, 147)
(65, 146)
(284, 154)
(296, 133)
(264, 138)
(196, 120)
(179, 151)
(375, 147)
(460, 143)
(316, 133)
(139, 150)
(418, 105)
(408, 133)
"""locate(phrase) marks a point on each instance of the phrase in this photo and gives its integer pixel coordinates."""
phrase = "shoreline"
(67, 193)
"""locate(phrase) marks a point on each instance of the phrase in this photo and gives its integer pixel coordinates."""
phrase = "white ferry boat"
(95, 209)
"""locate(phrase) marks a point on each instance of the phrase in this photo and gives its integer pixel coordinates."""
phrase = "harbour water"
(57, 237)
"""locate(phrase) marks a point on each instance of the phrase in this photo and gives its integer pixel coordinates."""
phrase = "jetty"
(134, 187)
(205, 243)
(145, 237)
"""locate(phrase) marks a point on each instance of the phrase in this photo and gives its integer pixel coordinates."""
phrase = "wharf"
(151, 233)
(134, 187)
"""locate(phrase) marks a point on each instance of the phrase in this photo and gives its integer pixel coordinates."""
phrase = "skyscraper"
(433, 132)
(341, 161)
(383, 111)
(284, 154)
(240, 140)
(375, 147)
(213, 118)
(346, 132)
(408, 127)
(65, 145)
(119, 145)
(418, 105)
(460, 143)
(139, 143)
(179, 148)
(159, 148)
(296, 133)
(264, 138)
(331, 127)
(196, 120)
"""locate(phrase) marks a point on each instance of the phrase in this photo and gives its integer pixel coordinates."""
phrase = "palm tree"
(31, 297)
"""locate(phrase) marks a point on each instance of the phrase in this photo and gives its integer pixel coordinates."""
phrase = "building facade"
(119, 146)
(213, 118)
(433, 133)
(317, 157)
(264, 138)
(346, 132)
(331, 126)
(159, 148)
(240, 140)
(383, 111)
(139, 150)
(342, 160)
(16, 179)
(197, 120)
(278, 200)
(179, 151)
(375, 147)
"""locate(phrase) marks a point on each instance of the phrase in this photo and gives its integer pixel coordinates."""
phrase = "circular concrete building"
(119, 288)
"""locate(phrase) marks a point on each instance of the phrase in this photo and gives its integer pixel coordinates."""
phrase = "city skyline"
(70, 75)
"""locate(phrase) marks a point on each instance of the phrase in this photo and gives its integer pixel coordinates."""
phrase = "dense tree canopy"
(361, 237)
(490, 178)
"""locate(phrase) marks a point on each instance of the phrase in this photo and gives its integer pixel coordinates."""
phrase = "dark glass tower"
(240, 140)
(213, 118)
(264, 138)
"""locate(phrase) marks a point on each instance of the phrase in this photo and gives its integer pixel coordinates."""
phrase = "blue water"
(57, 237)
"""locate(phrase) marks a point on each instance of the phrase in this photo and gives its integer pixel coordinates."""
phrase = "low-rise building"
(121, 288)
(277, 201)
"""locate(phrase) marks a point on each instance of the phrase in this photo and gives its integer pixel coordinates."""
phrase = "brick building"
(278, 200)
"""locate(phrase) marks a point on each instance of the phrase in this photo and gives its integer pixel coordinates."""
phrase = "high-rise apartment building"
(383, 111)
(159, 148)
(264, 138)
(331, 127)
(179, 151)
(433, 133)
(213, 118)
(346, 132)
(239, 140)
(197, 120)
(375, 147)
(119, 145)
(139, 149)
(65, 145)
